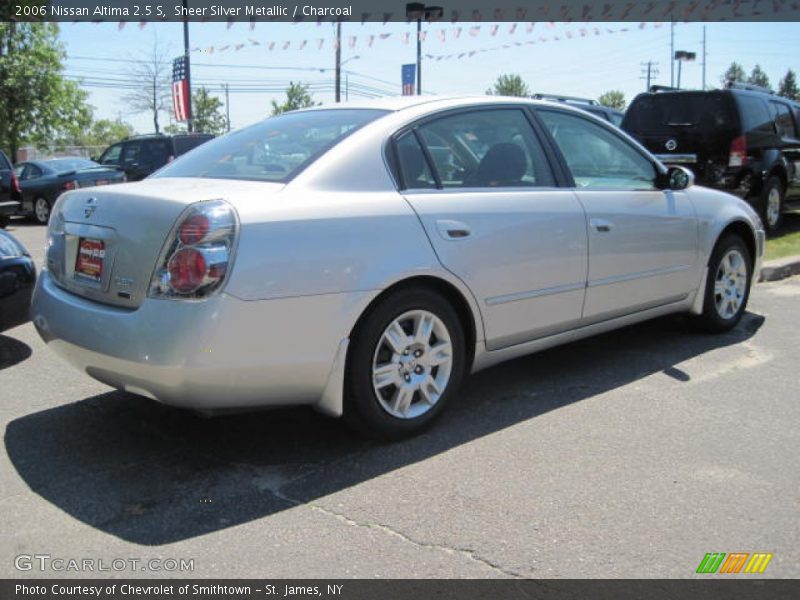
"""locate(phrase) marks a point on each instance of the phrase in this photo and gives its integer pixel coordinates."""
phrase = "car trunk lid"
(104, 242)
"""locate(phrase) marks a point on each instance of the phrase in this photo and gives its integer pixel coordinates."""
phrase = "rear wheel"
(772, 204)
(41, 210)
(727, 286)
(406, 360)
(4, 220)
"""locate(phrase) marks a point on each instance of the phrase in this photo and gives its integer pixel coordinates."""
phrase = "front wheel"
(727, 286)
(406, 360)
(41, 210)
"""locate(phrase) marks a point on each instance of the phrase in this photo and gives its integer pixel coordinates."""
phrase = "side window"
(597, 158)
(130, 154)
(111, 155)
(755, 117)
(156, 153)
(486, 148)
(19, 170)
(783, 119)
(414, 167)
(31, 172)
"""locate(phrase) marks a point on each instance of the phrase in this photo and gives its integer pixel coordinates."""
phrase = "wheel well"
(743, 230)
(448, 291)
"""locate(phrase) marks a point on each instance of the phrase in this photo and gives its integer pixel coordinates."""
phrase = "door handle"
(601, 225)
(453, 230)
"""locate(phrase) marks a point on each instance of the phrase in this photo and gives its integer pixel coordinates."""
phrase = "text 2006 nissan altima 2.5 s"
(365, 258)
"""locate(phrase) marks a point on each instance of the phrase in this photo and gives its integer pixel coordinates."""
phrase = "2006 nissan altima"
(363, 259)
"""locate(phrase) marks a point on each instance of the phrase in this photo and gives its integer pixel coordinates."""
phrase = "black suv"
(742, 139)
(140, 155)
(9, 190)
(612, 115)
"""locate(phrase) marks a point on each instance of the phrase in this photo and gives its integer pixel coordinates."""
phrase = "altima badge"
(91, 206)
(671, 145)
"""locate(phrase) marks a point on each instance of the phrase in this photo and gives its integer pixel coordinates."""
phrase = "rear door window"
(130, 154)
(414, 169)
(784, 124)
(755, 116)
(486, 148)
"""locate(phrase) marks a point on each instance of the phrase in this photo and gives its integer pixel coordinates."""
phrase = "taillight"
(738, 152)
(197, 255)
(15, 183)
(70, 185)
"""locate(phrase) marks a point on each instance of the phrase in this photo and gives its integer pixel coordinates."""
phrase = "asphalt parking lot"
(628, 455)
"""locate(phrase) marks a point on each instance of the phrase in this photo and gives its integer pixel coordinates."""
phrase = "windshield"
(62, 165)
(666, 112)
(276, 149)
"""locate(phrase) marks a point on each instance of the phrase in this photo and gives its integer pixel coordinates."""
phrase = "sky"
(100, 56)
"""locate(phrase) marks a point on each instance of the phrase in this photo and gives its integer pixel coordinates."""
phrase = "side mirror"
(676, 178)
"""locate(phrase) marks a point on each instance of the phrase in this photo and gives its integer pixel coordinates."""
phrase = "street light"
(682, 56)
(346, 76)
(418, 11)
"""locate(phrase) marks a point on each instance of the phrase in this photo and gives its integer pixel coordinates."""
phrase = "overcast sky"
(579, 66)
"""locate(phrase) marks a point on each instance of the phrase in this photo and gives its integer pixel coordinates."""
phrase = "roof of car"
(397, 103)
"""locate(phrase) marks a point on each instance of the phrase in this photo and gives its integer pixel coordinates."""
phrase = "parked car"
(9, 190)
(42, 181)
(612, 115)
(141, 155)
(328, 257)
(742, 139)
(17, 279)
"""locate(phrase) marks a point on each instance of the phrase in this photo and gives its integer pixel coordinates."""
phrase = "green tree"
(734, 74)
(613, 99)
(207, 111)
(37, 103)
(759, 78)
(297, 96)
(788, 86)
(509, 85)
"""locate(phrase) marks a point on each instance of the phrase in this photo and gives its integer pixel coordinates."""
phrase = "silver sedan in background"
(364, 259)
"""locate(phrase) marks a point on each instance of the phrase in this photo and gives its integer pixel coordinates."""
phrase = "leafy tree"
(297, 96)
(734, 74)
(758, 77)
(509, 85)
(207, 109)
(37, 103)
(151, 74)
(613, 99)
(788, 86)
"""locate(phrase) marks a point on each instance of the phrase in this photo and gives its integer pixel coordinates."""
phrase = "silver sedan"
(364, 259)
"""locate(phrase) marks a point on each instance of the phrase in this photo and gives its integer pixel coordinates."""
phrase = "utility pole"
(649, 72)
(704, 57)
(190, 115)
(338, 61)
(672, 53)
(227, 106)
(419, 56)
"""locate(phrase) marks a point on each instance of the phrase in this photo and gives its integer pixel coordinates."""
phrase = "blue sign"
(409, 73)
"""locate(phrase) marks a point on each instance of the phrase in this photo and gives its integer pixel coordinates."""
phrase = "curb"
(775, 270)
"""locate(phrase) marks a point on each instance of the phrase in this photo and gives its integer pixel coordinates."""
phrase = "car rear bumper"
(219, 353)
(17, 278)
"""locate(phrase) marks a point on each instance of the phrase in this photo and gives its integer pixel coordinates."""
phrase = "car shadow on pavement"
(152, 475)
(12, 352)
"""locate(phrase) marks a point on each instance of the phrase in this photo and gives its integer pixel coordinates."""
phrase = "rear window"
(63, 165)
(666, 112)
(276, 149)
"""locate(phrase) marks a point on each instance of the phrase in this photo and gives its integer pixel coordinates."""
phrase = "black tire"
(36, 217)
(771, 218)
(711, 320)
(4, 221)
(363, 409)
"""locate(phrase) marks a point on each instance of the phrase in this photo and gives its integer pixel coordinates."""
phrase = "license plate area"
(90, 260)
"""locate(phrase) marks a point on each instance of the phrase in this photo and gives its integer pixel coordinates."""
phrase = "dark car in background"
(41, 182)
(742, 139)
(9, 190)
(141, 155)
(612, 115)
(17, 279)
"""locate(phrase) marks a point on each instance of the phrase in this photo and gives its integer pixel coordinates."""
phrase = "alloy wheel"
(730, 284)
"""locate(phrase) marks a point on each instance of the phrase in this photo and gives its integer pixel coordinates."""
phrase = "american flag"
(180, 89)
(409, 74)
